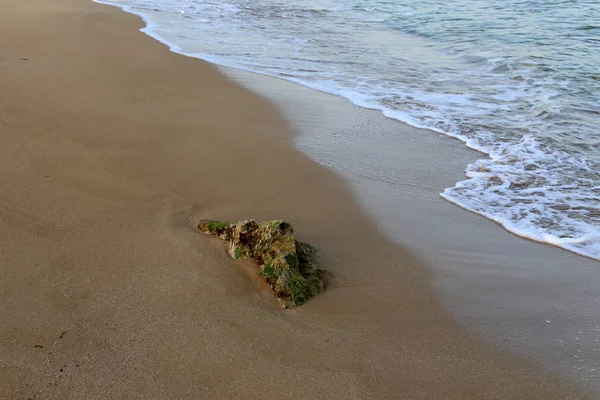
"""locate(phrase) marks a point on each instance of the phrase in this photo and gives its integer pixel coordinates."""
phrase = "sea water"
(518, 81)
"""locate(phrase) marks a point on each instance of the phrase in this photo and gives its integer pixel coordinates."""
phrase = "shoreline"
(112, 148)
(151, 29)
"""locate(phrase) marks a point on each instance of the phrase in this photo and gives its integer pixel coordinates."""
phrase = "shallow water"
(516, 80)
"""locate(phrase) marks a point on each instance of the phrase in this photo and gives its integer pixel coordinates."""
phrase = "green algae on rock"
(285, 264)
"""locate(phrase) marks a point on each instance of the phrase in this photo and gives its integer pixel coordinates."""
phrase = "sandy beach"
(111, 149)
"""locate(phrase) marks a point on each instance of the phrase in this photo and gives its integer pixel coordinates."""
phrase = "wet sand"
(111, 149)
(537, 300)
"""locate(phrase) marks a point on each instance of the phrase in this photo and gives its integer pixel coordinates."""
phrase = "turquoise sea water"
(517, 80)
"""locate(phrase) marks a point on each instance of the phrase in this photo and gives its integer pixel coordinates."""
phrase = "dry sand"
(111, 148)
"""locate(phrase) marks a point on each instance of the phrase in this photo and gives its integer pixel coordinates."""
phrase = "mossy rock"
(285, 264)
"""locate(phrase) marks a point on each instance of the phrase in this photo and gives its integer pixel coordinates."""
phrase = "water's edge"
(568, 244)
